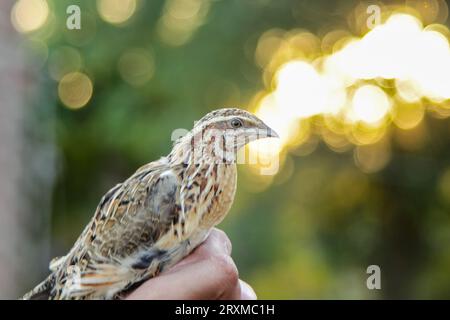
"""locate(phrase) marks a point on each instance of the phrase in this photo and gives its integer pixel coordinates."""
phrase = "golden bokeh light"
(357, 87)
(332, 38)
(75, 90)
(369, 104)
(430, 10)
(336, 142)
(300, 90)
(361, 134)
(29, 15)
(372, 158)
(407, 91)
(180, 20)
(136, 66)
(408, 116)
(267, 46)
(116, 11)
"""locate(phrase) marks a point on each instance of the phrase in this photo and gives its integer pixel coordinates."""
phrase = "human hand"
(207, 273)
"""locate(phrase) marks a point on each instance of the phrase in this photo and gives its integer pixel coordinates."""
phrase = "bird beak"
(264, 131)
(272, 133)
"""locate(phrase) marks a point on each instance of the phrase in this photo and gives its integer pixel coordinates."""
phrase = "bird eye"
(236, 123)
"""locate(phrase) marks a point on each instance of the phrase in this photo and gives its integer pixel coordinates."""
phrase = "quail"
(157, 216)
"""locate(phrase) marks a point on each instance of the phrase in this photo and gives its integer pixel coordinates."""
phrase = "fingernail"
(247, 293)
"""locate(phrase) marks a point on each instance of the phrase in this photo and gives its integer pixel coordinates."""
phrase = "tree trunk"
(26, 166)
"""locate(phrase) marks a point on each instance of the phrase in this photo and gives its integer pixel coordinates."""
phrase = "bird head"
(237, 126)
(229, 129)
(219, 135)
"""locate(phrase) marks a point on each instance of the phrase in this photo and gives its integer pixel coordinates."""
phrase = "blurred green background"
(308, 232)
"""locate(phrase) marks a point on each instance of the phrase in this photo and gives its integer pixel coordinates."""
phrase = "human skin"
(208, 273)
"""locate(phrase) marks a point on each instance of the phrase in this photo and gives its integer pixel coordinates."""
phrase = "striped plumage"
(158, 215)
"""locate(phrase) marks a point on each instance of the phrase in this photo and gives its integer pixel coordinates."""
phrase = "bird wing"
(129, 220)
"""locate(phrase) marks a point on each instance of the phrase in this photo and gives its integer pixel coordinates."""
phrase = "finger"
(247, 292)
(207, 273)
(241, 291)
(217, 243)
(232, 292)
(212, 278)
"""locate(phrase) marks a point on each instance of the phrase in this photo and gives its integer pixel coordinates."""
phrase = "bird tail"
(41, 291)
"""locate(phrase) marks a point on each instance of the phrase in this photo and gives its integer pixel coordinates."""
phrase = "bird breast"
(218, 195)
(208, 195)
